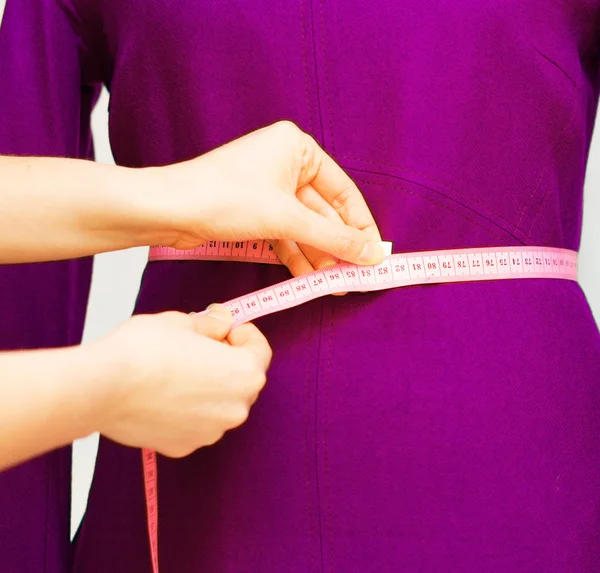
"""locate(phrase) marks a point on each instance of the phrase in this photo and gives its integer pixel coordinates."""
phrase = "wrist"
(162, 208)
(133, 206)
(95, 393)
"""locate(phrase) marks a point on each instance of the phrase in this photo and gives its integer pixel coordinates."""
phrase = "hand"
(275, 184)
(180, 381)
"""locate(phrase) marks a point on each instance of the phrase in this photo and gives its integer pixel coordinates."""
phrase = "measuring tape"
(396, 270)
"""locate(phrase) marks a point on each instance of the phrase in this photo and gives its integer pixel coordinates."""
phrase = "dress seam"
(326, 78)
(559, 142)
(326, 437)
(318, 93)
(508, 234)
(564, 140)
(309, 474)
(318, 481)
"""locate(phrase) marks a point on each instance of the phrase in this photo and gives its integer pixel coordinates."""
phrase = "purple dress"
(435, 429)
(44, 110)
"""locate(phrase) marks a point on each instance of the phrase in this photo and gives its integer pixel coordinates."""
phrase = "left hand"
(275, 184)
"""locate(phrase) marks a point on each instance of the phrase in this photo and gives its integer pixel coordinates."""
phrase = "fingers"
(309, 197)
(336, 187)
(317, 203)
(303, 259)
(215, 323)
(342, 241)
(291, 255)
(248, 337)
(318, 259)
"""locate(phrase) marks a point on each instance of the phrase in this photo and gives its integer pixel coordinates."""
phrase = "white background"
(117, 276)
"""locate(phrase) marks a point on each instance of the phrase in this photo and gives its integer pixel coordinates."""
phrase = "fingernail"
(372, 253)
(324, 263)
(219, 312)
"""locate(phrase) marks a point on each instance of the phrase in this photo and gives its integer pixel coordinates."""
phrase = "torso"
(442, 428)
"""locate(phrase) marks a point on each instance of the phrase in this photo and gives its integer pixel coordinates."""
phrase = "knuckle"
(253, 375)
(216, 437)
(263, 380)
(310, 143)
(293, 259)
(260, 379)
(287, 127)
(177, 451)
(323, 261)
(238, 416)
(268, 351)
(350, 243)
(343, 198)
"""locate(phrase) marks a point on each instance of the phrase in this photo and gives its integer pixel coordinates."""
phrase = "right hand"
(180, 381)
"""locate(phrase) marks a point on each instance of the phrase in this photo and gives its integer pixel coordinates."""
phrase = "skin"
(275, 184)
(170, 382)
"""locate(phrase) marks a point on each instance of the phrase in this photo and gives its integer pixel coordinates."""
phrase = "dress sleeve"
(45, 104)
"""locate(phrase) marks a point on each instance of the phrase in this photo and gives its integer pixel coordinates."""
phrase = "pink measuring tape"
(397, 270)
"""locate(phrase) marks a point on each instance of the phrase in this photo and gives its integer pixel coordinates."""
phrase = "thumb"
(215, 322)
(334, 237)
(249, 337)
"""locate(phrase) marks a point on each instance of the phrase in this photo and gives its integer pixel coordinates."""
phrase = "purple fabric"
(43, 111)
(438, 429)
(442, 429)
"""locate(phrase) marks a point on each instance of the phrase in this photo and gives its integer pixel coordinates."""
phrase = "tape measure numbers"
(397, 270)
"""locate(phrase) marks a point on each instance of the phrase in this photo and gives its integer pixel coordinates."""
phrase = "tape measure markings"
(240, 251)
(151, 495)
(397, 270)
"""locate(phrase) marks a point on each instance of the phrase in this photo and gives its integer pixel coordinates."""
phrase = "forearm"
(57, 208)
(48, 398)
